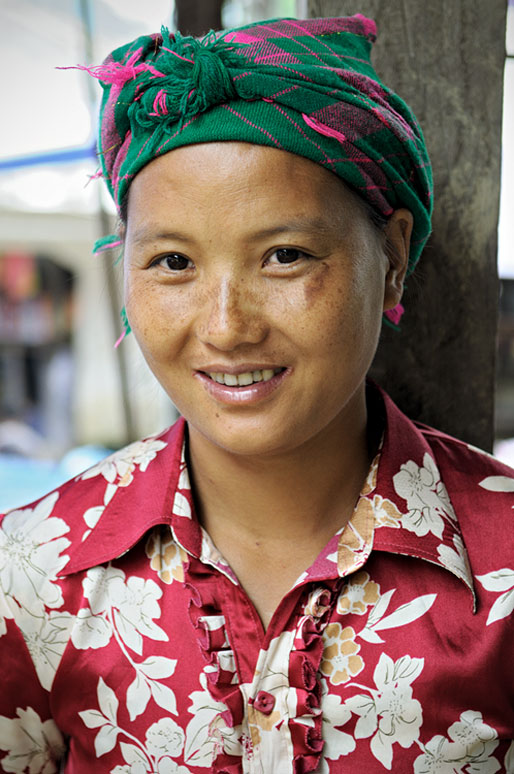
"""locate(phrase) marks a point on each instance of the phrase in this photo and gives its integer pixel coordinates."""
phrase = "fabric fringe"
(126, 327)
(108, 242)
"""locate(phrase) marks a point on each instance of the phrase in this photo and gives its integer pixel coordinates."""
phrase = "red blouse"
(128, 645)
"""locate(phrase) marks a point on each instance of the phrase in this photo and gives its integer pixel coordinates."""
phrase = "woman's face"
(255, 286)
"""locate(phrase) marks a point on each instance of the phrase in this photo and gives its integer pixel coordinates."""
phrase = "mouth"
(244, 379)
(242, 387)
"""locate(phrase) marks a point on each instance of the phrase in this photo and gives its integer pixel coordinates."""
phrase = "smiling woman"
(231, 594)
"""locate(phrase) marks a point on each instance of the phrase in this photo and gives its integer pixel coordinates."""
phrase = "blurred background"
(67, 396)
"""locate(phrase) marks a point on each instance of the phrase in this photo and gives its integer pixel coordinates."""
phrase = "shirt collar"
(144, 484)
(404, 507)
(414, 514)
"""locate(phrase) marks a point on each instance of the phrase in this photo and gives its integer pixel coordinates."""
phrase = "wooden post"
(446, 59)
(196, 17)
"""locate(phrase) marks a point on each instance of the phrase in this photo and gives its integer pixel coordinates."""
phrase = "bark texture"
(446, 59)
(196, 17)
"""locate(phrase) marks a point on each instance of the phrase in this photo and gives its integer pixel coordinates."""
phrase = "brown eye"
(173, 262)
(286, 255)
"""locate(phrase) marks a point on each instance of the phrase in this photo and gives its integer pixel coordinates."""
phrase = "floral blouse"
(128, 646)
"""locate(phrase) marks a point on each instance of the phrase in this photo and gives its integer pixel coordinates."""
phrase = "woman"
(295, 577)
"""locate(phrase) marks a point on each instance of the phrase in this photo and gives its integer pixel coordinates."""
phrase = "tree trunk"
(196, 17)
(446, 59)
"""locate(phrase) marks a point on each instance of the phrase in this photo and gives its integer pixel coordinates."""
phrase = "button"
(264, 702)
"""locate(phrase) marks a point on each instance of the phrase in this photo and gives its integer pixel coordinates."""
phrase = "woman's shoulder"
(106, 491)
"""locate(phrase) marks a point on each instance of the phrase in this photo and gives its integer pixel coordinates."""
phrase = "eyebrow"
(144, 235)
(302, 225)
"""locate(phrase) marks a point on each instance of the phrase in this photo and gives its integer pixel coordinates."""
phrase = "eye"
(286, 255)
(173, 262)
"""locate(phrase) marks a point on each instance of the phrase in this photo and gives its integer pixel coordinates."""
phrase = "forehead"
(240, 179)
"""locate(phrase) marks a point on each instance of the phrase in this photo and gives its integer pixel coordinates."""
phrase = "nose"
(232, 316)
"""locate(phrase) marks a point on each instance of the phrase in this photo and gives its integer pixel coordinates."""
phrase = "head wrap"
(305, 86)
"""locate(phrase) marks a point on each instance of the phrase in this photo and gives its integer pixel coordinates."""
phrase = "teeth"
(244, 379)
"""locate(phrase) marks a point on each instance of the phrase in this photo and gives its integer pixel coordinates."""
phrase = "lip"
(247, 395)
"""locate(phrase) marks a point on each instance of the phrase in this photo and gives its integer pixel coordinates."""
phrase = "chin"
(245, 439)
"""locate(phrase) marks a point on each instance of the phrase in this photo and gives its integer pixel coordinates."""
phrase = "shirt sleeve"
(29, 738)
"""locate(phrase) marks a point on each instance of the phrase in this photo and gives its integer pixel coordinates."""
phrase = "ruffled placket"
(306, 727)
(208, 622)
(305, 723)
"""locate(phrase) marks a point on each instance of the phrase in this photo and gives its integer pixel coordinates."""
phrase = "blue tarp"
(24, 480)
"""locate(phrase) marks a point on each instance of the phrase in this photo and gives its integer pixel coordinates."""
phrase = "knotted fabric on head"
(307, 87)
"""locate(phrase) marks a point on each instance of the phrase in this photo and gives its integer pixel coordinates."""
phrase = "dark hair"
(123, 211)
(378, 220)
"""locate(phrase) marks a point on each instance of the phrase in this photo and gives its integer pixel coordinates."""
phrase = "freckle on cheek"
(316, 283)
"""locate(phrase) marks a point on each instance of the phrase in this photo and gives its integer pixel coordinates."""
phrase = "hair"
(123, 210)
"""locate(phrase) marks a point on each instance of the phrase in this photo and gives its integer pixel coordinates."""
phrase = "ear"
(397, 232)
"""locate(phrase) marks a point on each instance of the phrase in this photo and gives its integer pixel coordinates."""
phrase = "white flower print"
(404, 614)
(164, 739)
(136, 606)
(471, 744)
(46, 637)
(5, 613)
(124, 609)
(118, 467)
(427, 499)
(30, 743)
(437, 758)
(499, 580)
(456, 561)
(389, 714)
(91, 631)
(498, 483)
(31, 542)
(476, 737)
(509, 759)
(133, 602)
(181, 506)
(105, 719)
(335, 714)
(164, 766)
(207, 733)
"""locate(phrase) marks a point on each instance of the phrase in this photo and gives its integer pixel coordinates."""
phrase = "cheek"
(154, 315)
(344, 311)
(315, 286)
(334, 298)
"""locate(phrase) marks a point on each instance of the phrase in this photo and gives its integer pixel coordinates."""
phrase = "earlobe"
(398, 235)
